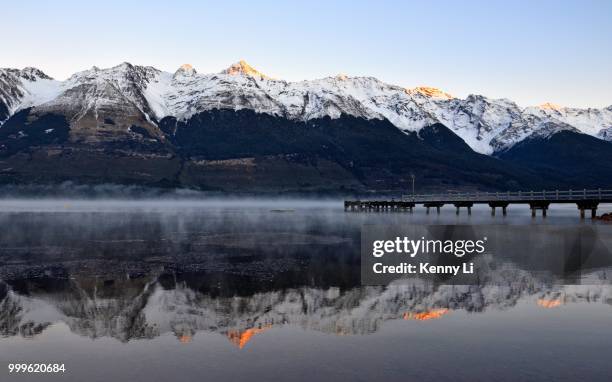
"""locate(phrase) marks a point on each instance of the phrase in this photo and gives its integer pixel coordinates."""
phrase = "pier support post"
(584, 205)
(466, 204)
(428, 205)
(427, 209)
(498, 203)
(539, 205)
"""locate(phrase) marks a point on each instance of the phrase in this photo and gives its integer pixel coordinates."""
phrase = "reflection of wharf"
(537, 200)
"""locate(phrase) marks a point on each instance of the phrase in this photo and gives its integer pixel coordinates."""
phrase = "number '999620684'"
(36, 368)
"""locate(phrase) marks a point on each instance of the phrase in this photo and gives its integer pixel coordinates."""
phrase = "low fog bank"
(185, 206)
(109, 197)
(69, 190)
(72, 191)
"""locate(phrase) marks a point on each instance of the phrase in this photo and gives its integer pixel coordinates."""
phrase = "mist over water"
(237, 289)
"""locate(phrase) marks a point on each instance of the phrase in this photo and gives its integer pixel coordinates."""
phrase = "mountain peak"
(124, 65)
(243, 68)
(431, 92)
(551, 106)
(185, 70)
(187, 67)
(32, 74)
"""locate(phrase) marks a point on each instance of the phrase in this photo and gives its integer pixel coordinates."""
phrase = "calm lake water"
(259, 290)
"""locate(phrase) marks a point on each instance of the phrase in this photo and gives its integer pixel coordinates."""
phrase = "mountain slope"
(24, 88)
(595, 122)
(373, 151)
(566, 155)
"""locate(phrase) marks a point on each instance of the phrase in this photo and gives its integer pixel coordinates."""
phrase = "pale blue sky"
(529, 51)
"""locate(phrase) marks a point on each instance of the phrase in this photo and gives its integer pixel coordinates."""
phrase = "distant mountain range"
(241, 131)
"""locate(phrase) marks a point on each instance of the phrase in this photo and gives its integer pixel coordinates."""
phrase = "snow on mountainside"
(596, 122)
(128, 79)
(146, 95)
(20, 89)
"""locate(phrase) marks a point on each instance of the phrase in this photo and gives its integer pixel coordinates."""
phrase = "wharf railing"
(544, 195)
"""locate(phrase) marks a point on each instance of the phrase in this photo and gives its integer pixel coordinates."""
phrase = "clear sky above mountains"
(528, 51)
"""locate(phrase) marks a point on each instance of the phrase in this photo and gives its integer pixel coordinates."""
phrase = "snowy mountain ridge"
(143, 93)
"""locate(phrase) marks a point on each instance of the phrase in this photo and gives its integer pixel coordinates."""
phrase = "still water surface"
(256, 290)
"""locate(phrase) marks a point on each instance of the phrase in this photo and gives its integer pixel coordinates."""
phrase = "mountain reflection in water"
(126, 277)
(152, 305)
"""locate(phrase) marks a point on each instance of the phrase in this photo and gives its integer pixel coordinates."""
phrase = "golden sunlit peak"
(342, 77)
(242, 68)
(186, 69)
(431, 92)
(551, 106)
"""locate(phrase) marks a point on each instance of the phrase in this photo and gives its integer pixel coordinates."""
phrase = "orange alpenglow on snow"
(428, 315)
(242, 68)
(186, 70)
(551, 106)
(548, 303)
(241, 338)
(430, 92)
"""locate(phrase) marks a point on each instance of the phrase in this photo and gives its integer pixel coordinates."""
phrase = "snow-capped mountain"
(595, 122)
(24, 88)
(103, 102)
